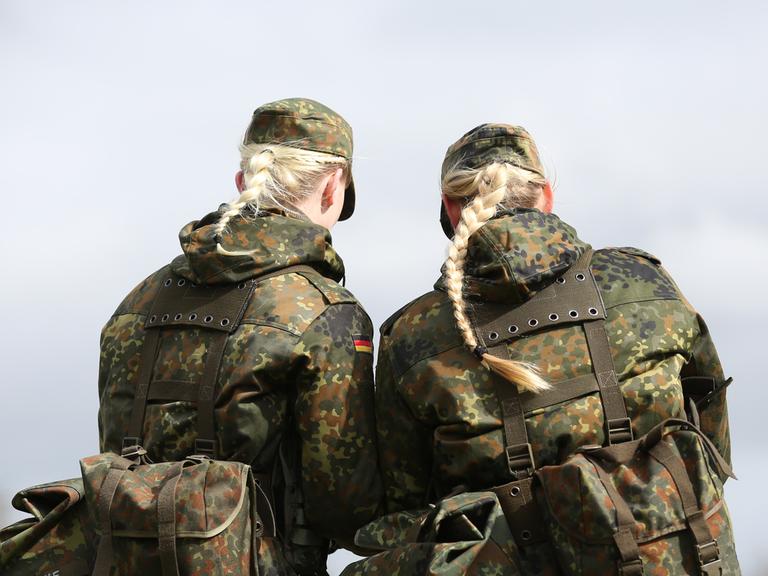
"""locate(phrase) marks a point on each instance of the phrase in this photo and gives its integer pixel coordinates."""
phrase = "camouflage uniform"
(439, 420)
(297, 366)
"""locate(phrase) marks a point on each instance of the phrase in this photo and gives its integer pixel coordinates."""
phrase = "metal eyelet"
(580, 277)
(573, 314)
(512, 329)
(152, 318)
(225, 322)
(208, 319)
(514, 491)
(526, 535)
(181, 282)
(533, 322)
(192, 317)
(593, 311)
(241, 286)
(177, 317)
(165, 318)
(168, 282)
(554, 317)
(560, 280)
(493, 336)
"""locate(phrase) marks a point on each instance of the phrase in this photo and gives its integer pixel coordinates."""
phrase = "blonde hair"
(277, 176)
(486, 188)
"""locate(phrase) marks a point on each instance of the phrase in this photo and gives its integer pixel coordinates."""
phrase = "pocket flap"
(209, 495)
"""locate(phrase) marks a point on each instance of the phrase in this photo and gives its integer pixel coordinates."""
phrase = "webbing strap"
(166, 520)
(205, 443)
(708, 552)
(146, 364)
(618, 427)
(104, 556)
(630, 563)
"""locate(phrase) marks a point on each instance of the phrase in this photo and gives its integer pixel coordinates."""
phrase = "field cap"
(307, 124)
(486, 144)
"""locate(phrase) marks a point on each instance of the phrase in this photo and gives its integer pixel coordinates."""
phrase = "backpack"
(128, 516)
(634, 506)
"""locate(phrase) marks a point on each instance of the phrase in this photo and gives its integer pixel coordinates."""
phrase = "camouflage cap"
(306, 124)
(486, 144)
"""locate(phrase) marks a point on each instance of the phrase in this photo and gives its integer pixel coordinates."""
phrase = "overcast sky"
(119, 123)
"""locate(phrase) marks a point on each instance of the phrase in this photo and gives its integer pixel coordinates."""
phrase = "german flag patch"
(363, 344)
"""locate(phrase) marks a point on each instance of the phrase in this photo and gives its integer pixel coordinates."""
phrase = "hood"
(271, 241)
(516, 254)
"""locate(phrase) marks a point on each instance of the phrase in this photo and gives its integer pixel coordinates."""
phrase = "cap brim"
(349, 200)
(445, 222)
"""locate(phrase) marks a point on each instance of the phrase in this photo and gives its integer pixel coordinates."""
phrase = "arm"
(335, 420)
(405, 450)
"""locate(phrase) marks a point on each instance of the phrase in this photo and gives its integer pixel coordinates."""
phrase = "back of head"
(289, 146)
(490, 166)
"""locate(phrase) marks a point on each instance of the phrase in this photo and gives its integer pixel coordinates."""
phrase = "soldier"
(289, 369)
(468, 400)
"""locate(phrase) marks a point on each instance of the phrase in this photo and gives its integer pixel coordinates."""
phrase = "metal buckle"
(631, 568)
(710, 566)
(619, 430)
(205, 447)
(131, 447)
(520, 460)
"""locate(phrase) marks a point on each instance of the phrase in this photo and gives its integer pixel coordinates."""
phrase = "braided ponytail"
(491, 184)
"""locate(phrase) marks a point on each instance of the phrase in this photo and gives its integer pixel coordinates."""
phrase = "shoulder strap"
(180, 304)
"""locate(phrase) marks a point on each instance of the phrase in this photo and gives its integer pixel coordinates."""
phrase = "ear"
(453, 208)
(239, 181)
(333, 186)
(548, 198)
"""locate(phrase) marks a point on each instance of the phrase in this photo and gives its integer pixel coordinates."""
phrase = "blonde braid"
(255, 177)
(491, 184)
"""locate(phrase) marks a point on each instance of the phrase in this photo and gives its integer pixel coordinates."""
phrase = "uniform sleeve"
(713, 415)
(404, 443)
(335, 420)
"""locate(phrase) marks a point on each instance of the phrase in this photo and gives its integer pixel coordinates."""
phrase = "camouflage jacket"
(438, 418)
(292, 364)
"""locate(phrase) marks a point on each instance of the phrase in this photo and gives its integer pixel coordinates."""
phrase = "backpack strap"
(181, 304)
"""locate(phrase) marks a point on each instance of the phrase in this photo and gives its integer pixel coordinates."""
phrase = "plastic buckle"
(520, 460)
(709, 561)
(619, 430)
(131, 447)
(631, 568)
(205, 447)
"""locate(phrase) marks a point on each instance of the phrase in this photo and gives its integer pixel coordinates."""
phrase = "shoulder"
(139, 300)
(295, 300)
(421, 329)
(630, 274)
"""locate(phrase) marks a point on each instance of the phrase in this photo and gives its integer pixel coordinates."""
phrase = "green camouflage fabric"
(56, 539)
(464, 534)
(438, 417)
(490, 143)
(291, 368)
(304, 123)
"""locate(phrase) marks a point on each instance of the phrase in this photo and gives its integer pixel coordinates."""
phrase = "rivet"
(193, 317)
(168, 282)
(165, 318)
(593, 311)
(177, 317)
(560, 280)
(554, 317)
(241, 285)
(573, 314)
(225, 322)
(533, 322)
(514, 491)
(152, 318)
(580, 277)
(493, 336)
(208, 319)
(181, 282)
(512, 329)
(525, 535)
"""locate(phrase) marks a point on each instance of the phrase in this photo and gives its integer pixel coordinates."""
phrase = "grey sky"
(120, 123)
